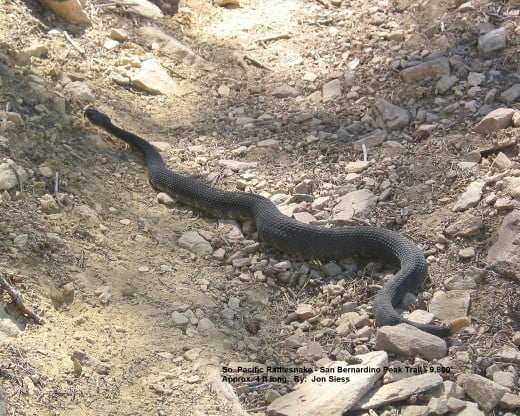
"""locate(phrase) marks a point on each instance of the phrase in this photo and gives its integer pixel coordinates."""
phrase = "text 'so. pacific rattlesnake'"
(288, 235)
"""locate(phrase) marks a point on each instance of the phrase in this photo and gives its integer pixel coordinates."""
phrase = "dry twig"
(274, 37)
(74, 44)
(253, 61)
(18, 299)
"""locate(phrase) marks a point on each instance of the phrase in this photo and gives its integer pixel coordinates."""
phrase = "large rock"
(194, 242)
(372, 139)
(495, 120)
(504, 256)
(331, 90)
(470, 198)
(512, 186)
(79, 91)
(359, 202)
(143, 8)
(511, 94)
(451, 305)
(407, 340)
(399, 390)
(151, 35)
(154, 79)
(11, 175)
(493, 41)
(467, 225)
(392, 116)
(484, 391)
(431, 69)
(331, 396)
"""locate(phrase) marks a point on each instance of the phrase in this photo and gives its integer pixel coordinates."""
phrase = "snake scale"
(288, 235)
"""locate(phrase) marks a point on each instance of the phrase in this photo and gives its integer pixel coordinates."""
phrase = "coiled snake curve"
(288, 235)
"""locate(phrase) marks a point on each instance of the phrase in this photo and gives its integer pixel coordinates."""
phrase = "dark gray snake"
(288, 235)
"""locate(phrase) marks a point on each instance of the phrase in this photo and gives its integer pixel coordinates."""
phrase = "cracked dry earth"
(138, 322)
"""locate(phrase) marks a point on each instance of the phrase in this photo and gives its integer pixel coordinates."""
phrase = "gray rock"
(420, 316)
(169, 45)
(372, 139)
(495, 120)
(162, 146)
(331, 90)
(8, 327)
(485, 392)
(285, 91)
(236, 165)
(95, 141)
(354, 319)
(79, 91)
(505, 378)
(451, 389)
(455, 405)
(516, 119)
(432, 69)
(119, 34)
(194, 242)
(49, 204)
(357, 166)
(501, 162)
(467, 253)
(503, 256)
(14, 118)
(240, 262)
(179, 319)
(405, 339)
(153, 78)
(143, 8)
(451, 305)
(331, 269)
(445, 83)
(492, 41)
(471, 409)
(471, 197)
(438, 406)
(320, 203)
(476, 78)
(304, 311)
(415, 410)
(10, 174)
(268, 143)
(36, 49)
(511, 186)
(511, 94)
(358, 202)
(466, 226)
(393, 116)
(328, 397)
(205, 325)
(311, 351)
(304, 217)
(165, 199)
(458, 282)
(399, 390)
(271, 395)
(510, 401)
(509, 355)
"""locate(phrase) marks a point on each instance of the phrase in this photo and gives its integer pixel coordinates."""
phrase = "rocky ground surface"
(402, 115)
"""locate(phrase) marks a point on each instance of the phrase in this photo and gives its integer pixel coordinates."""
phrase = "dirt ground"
(104, 271)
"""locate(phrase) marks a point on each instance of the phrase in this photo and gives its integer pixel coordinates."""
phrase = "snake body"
(288, 235)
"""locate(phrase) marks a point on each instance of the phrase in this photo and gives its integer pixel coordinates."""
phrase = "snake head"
(97, 117)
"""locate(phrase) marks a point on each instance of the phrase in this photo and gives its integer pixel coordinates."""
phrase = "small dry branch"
(255, 62)
(274, 37)
(18, 299)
